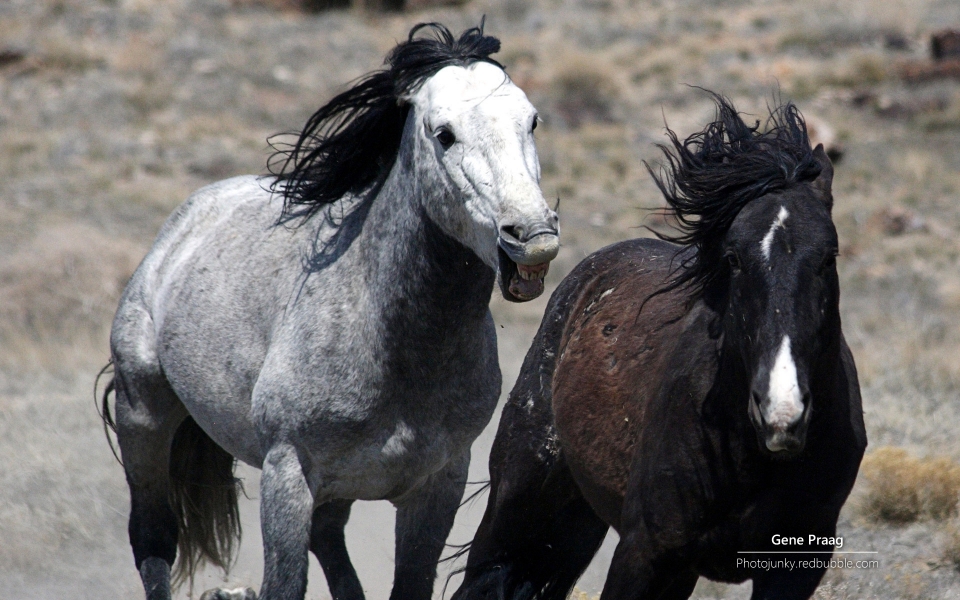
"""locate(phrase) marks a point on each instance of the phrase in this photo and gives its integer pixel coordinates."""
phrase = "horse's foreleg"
(634, 575)
(286, 506)
(781, 584)
(328, 544)
(538, 534)
(424, 520)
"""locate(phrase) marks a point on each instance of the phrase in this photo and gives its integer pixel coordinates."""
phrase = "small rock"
(234, 594)
(945, 44)
(896, 41)
(11, 56)
(921, 71)
(283, 74)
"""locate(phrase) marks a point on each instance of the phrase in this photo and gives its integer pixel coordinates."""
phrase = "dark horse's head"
(753, 204)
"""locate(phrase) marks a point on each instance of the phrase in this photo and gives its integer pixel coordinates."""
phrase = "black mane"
(353, 140)
(709, 177)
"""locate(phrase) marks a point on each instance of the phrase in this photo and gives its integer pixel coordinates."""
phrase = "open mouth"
(520, 283)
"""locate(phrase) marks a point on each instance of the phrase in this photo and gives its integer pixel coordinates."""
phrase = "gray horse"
(329, 325)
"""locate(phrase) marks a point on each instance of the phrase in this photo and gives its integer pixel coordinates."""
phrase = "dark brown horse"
(697, 396)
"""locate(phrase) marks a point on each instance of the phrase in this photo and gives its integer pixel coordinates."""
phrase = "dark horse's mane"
(709, 177)
(352, 141)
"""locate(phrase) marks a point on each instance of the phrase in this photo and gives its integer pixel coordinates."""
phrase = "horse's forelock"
(420, 57)
(711, 175)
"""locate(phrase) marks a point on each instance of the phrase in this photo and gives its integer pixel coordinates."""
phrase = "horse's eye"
(445, 137)
(829, 262)
(733, 260)
(536, 119)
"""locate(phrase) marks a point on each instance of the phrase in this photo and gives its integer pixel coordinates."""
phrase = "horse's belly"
(235, 434)
(383, 469)
(215, 388)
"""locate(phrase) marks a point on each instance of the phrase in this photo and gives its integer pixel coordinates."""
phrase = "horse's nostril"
(514, 232)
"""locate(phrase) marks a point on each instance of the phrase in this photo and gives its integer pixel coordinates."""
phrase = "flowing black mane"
(709, 177)
(353, 140)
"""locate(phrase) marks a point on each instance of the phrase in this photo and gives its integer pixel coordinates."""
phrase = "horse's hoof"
(234, 594)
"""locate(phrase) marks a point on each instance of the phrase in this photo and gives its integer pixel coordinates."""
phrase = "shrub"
(903, 489)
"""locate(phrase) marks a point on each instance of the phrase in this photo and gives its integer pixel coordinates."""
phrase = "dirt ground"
(113, 111)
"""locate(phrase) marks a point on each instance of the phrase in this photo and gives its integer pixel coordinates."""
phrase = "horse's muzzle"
(524, 261)
(538, 247)
(783, 442)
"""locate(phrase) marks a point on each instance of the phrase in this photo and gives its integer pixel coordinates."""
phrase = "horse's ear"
(824, 181)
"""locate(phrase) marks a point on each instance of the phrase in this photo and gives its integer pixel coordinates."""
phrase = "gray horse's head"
(469, 133)
(474, 132)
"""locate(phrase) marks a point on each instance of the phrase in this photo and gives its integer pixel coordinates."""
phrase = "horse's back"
(618, 334)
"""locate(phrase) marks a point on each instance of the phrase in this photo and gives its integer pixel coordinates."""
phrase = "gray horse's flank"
(366, 374)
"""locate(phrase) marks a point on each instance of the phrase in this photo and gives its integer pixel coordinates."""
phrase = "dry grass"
(903, 488)
(584, 93)
(950, 548)
(57, 296)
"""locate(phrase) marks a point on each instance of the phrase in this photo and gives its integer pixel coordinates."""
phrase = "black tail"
(204, 497)
(103, 408)
(203, 491)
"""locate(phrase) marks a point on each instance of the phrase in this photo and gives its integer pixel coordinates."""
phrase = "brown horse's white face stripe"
(784, 406)
(780, 249)
(778, 223)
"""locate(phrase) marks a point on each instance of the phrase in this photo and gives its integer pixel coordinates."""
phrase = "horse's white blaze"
(784, 406)
(768, 239)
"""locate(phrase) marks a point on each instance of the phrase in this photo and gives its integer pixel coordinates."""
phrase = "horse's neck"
(415, 270)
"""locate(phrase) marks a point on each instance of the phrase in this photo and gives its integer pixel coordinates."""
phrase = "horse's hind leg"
(148, 415)
(328, 544)
(424, 520)
(538, 534)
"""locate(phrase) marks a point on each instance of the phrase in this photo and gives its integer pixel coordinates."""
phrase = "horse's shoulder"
(694, 360)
